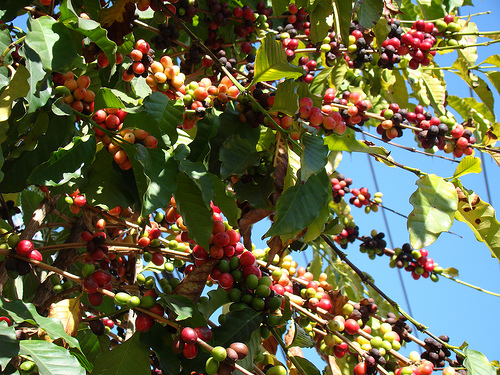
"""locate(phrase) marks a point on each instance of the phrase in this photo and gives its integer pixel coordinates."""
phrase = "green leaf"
(477, 84)
(381, 30)
(106, 98)
(434, 206)
(53, 43)
(199, 174)
(206, 129)
(286, 99)
(476, 363)
(66, 163)
(160, 169)
(316, 265)
(18, 88)
(470, 107)
(256, 192)
(92, 344)
(450, 271)
(238, 327)
(319, 15)
(279, 6)
(12, 9)
(237, 154)
(314, 157)
(395, 89)
(160, 340)
(58, 134)
(40, 88)
(107, 185)
(301, 338)
(493, 59)
(185, 309)
(51, 359)
(143, 120)
(26, 312)
(342, 19)
(129, 358)
(225, 201)
(89, 28)
(295, 210)
(319, 84)
(271, 63)
(30, 141)
(216, 299)
(432, 9)
(307, 366)
(169, 113)
(315, 229)
(369, 12)
(196, 214)
(348, 142)
(469, 164)
(9, 345)
(494, 78)
(29, 202)
(480, 217)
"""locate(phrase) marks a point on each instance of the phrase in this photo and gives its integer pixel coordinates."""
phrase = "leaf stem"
(469, 285)
(290, 357)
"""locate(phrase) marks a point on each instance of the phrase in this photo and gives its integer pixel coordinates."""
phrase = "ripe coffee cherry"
(158, 259)
(190, 351)
(24, 248)
(144, 323)
(351, 326)
(204, 333)
(5, 319)
(189, 335)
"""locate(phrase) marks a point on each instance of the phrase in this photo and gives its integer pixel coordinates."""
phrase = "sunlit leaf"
(295, 210)
(51, 359)
(434, 206)
(480, 217)
(68, 312)
(129, 358)
(469, 164)
(271, 63)
(476, 363)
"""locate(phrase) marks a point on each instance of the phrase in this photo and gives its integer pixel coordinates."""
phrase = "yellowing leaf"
(480, 217)
(114, 13)
(18, 87)
(69, 313)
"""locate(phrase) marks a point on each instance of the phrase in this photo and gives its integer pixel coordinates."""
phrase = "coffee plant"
(142, 140)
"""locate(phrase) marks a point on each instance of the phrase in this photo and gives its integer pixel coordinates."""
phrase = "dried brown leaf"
(276, 246)
(69, 313)
(193, 284)
(118, 20)
(271, 345)
(338, 301)
(290, 334)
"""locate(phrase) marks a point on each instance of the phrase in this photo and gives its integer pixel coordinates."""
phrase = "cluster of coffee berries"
(417, 43)
(463, 140)
(167, 36)
(25, 248)
(340, 187)
(357, 106)
(361, 197)
(436, 352)
(75, 91)
(330, 47)
(359, 51)
(142, 56)
(166, 78)
(110, 119)
(100, 327)
(75, 201)
(400, 326)
(288, 42)
(222, 360)
(415, 261)
(346, 236)
(374, 244)
(389, 54)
